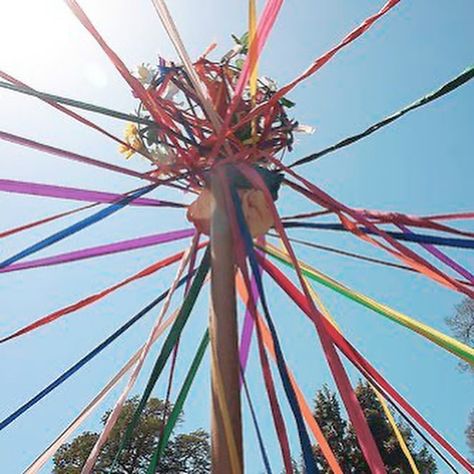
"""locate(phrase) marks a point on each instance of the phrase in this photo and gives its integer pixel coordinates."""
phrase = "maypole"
(226, 422)
(190, 113)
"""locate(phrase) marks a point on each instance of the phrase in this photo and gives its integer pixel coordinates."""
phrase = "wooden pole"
(224, 338)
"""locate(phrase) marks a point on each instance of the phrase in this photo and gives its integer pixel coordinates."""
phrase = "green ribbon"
(450, 344)
(168, 346)
(76, 103)
(458, 81)
(178, 406)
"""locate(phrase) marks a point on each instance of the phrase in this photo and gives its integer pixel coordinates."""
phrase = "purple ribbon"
(76, 194)
(442, 256)
(90, 252)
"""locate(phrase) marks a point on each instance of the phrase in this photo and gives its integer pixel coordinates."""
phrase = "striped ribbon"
(382, 401)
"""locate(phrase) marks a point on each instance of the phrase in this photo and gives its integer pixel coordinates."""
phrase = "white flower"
(270, 83)
(307, 129)
(162, 155)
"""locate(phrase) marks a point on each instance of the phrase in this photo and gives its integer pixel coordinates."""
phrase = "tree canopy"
(341, 436)
(462, 326)
(186, 452)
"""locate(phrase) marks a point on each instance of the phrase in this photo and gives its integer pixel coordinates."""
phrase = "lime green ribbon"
(446, 342)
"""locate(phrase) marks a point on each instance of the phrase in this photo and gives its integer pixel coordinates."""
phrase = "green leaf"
(237, 40)
(239, 63)
(287, 103)
(244, 40)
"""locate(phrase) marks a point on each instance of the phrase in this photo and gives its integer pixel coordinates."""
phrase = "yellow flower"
(132, 137)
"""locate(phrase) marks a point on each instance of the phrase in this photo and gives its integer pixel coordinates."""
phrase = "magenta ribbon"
(249, 324)
(100, 250)
(442, 256)
(76, 194)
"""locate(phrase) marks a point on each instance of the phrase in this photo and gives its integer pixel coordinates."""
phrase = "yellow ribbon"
(253, 58)
(380, 398)
(397, 432)
(458, 348)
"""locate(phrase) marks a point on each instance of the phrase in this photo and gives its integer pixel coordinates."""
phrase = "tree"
(462, 326)
(342, 439)
(188, 452)
(470, 433)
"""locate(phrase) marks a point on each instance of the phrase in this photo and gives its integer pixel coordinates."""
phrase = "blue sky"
(420, 165)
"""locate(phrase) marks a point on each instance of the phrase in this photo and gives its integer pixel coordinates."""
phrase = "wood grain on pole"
(224, 334)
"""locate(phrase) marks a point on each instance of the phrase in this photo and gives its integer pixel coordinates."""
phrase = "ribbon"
(66, 111)
(364, 258)
(240, 253)
(411, 237)
(9, 137)
(144, 95)
(95, 297)
(101, 250)
(398, 250)
(442, 256)
(44, 457)
(303, 435)
(396, 431)
(263, 451)
(117, 409)
(77, 227)
(76, 103)
(303, 404)
(248, 326)
(76, 194)
(318, 63)
(168, 345)
(87, 358)
(231, 443)
(446, 342)
(31, 225)
(458, 81)
(178, 406)
(364, 436)
(359, 361)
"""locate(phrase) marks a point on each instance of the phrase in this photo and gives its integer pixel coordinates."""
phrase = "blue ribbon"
(78, 226)
(87, 358)
(261, 445)
(413, 237)
(306, 448)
